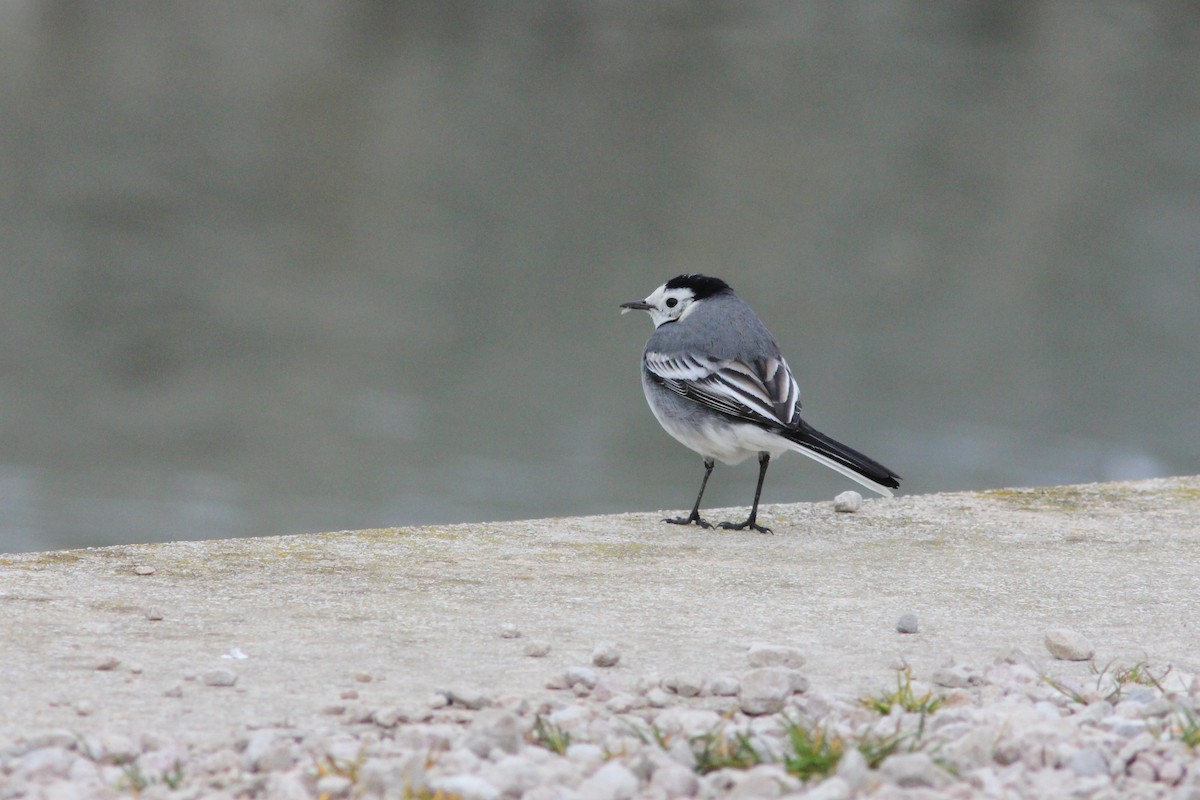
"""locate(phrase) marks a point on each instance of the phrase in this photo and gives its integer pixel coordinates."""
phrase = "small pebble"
(613, 781)
(764, 690)
(389, 717)
(469, 698)
(761, 654)
(154, 615)
(912, 770)
(509, 631)
(605, 654)
(468, 787)
(1171, 773)
(558, 682)
(349, 694)
(219, 677)
(723, 686)
(85, 708)
(143, 569)
(363, 677)
(175, 691)
(1088, 763)
(847, 502)
(585, 675)
(334, 786)
(1068, 645)
(535, 649)
(108, 663)
(907, 623)
(684, 685)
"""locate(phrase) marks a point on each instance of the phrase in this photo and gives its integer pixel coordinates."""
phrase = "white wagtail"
(716, 381)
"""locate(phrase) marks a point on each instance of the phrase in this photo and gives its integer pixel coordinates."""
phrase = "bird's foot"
(735, 526)
(688, 520)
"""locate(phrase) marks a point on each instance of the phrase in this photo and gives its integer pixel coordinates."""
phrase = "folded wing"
(761, 391)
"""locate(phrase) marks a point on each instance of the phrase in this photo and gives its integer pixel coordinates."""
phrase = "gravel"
(1002, 729)
(384, 627)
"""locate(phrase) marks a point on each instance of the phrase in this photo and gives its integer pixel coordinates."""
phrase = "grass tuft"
(1139, 674)
(813, 752)
(1187, 729)
(550, 736)
(714, 750)
(904, 697)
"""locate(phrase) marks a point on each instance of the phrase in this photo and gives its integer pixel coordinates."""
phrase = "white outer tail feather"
(821, 458)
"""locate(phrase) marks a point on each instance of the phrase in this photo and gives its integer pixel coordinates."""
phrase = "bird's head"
(677, 297)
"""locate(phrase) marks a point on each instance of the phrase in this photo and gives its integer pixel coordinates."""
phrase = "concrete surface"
(416, 609)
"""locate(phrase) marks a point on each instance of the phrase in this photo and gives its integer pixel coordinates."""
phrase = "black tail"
(846, 460)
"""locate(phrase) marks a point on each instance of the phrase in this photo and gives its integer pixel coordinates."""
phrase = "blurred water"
(272, 269)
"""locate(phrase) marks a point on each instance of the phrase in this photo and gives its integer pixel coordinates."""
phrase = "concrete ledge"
(392, 615)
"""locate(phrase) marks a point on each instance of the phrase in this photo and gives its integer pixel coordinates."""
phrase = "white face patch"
(669, 304)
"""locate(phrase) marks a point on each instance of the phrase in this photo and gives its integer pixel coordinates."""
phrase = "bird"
(716, 381)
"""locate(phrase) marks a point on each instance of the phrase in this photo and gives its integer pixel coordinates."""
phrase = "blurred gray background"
(279, 267)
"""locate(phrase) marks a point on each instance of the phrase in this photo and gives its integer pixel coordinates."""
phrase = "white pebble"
(835, 788)
(605, 654)
(912, 770)
(334, 786)
(673, 780)
(469, 698)
(847, 502)
(536, 649)
(468, 787)
(762, 654)
(853, 768)
(219, 677)
(613, 781)
(585, 754)
(143, 569)
(684, 685)
(907, 623)
(723, 686)
(955, 677)
(582, 675)
(1088, 762)
(763, 691)
(1171, 772)
(390, 717)
(1068, 645)
(510, 631)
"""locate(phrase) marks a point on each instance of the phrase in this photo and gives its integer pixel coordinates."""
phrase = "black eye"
(672, 302)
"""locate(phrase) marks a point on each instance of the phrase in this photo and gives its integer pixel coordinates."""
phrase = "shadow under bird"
(716, 381)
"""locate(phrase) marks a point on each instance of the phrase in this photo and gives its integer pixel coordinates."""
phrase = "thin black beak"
(638, 305)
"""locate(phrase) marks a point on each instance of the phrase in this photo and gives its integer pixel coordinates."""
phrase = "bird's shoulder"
(721, 328)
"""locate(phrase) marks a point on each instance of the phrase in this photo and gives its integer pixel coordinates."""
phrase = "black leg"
(763, 460)
(695, 515)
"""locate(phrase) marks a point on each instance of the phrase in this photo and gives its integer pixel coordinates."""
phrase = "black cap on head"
(701, 285)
